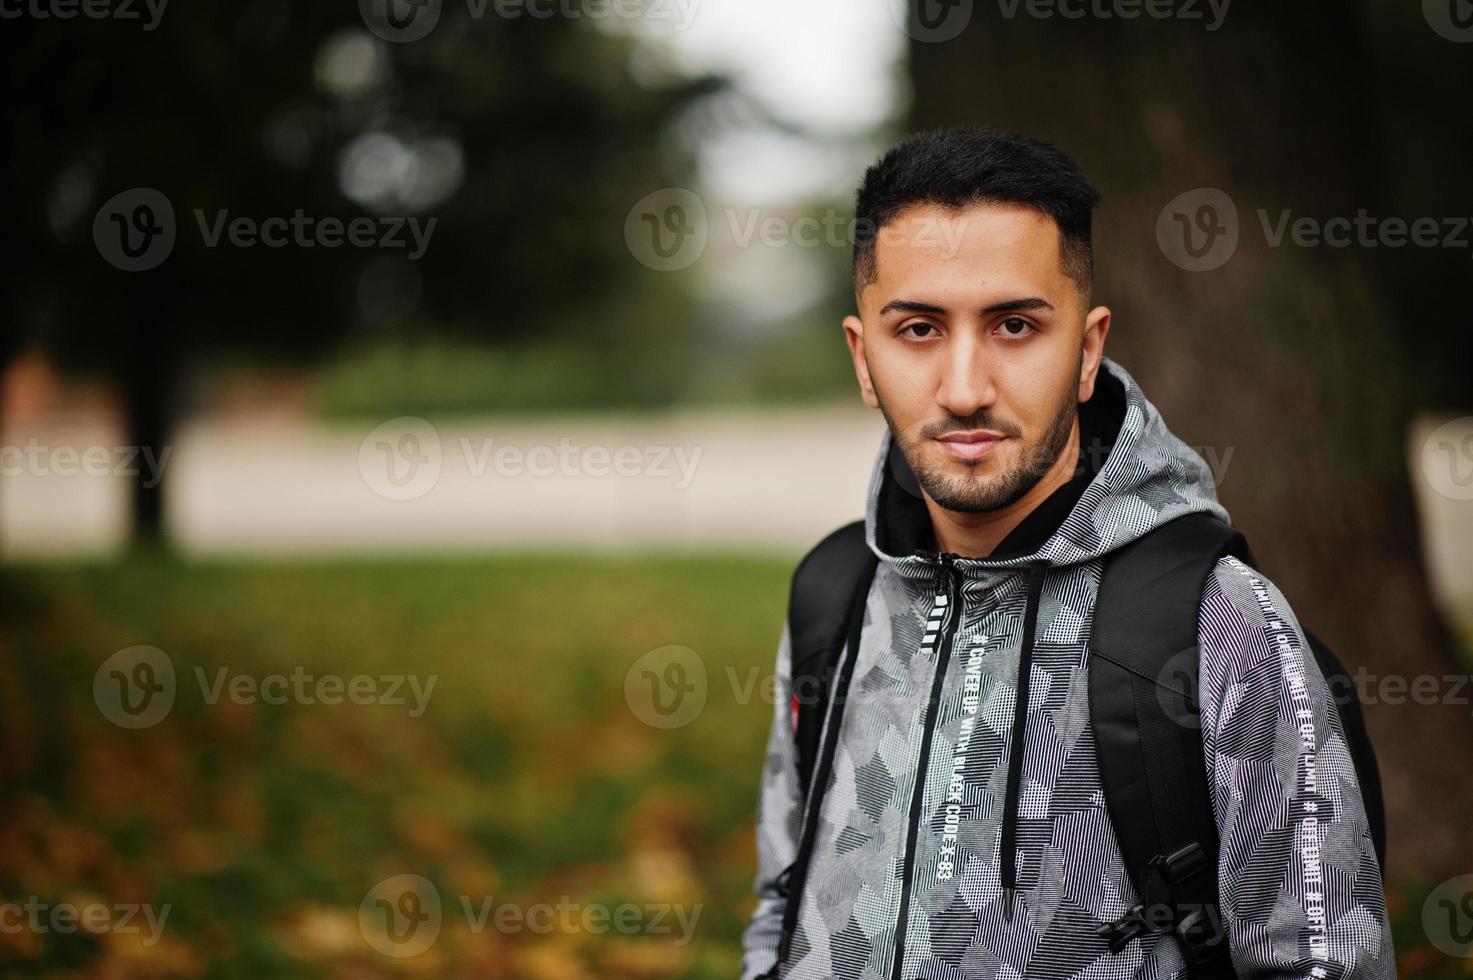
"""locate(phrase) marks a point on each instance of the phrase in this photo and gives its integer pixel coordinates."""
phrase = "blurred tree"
(524, 139)
(1300, 368)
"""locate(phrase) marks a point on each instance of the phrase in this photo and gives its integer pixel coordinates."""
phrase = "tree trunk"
(147, 374)
(1290, 365)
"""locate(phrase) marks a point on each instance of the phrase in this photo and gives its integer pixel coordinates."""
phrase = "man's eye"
(1015, 326)
(920, 329)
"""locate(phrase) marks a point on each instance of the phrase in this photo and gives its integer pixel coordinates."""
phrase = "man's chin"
(988, 484)
(970, 493)
(971, 505)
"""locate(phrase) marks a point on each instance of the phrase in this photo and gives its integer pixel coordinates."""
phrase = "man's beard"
(973, 494)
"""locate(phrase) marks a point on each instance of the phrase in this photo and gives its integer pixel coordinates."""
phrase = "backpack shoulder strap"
(820, 608)
(825, 614)
(1144, 712)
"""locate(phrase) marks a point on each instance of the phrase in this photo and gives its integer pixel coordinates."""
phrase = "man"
(1017, 459)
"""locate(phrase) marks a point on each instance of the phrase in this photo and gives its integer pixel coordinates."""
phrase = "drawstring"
(1009, 846)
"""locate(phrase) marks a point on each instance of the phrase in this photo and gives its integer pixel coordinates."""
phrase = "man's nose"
(966, 384)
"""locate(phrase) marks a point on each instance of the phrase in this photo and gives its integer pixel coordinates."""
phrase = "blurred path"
(746, 478)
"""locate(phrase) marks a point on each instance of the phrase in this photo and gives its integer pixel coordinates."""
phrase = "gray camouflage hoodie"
(1015, 884)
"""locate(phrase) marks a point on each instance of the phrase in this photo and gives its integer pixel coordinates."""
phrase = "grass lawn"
(528, 781)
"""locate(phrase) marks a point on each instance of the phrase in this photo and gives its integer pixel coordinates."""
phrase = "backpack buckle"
(1119, 932)
(1157, 912)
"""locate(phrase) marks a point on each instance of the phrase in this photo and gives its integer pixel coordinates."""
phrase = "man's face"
(977, 348)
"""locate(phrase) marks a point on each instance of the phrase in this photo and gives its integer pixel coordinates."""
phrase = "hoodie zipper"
(949, 602)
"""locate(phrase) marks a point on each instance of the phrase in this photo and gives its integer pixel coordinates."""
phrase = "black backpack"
(1147, 737)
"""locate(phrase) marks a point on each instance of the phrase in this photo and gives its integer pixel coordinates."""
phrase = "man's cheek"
(1029, 454)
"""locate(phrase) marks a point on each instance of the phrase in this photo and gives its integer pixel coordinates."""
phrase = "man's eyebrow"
(1007, 306)
(910, 306)
(1031, 303)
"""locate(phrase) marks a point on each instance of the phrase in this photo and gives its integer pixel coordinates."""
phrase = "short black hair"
(962, 167)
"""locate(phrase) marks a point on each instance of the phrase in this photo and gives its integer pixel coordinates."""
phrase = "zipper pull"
(945, 563)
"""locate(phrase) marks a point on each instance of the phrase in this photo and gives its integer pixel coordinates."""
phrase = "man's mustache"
(982, 421)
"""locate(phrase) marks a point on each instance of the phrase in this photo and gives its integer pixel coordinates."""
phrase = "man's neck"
(977, 535)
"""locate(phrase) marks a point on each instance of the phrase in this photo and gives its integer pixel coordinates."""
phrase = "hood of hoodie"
(1133, 475)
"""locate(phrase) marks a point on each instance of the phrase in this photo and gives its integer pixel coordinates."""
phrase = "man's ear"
(854, 336)
(1096, 327)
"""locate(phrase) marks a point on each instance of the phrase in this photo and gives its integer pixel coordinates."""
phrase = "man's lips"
(970, 445)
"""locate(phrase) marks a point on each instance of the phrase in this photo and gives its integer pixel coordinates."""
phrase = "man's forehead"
(934, 231)
(933, 246)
